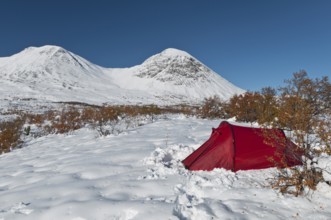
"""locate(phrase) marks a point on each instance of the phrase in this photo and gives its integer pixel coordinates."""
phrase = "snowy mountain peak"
(46, 64)
(172, 52)
(40, 55)
(48, 55)
(184, 75)
(47, 50)
(175, 66)
(168, 55)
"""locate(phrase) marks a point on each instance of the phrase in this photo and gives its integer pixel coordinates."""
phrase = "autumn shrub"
(10, 134)
(72, 116)
(37, 119)
(185, 109)
(67, 121)
(213, 107)
(267, 107)
(304, 111)
(89, 115)
(260, 106)
(245, 107)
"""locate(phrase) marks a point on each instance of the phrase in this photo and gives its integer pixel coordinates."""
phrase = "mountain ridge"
(53, 73)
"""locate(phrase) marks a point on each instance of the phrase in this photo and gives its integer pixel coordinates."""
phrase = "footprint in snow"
(19, 208)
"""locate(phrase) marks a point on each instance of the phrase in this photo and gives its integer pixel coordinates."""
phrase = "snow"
(54, 74)
(171, 52)
(137, 174)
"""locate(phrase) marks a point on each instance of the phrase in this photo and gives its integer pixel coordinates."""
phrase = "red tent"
(243, 148)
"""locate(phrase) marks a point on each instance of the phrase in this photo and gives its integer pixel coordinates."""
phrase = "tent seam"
(234, 147)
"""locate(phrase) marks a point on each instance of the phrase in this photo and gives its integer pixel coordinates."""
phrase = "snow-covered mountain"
(54, 74)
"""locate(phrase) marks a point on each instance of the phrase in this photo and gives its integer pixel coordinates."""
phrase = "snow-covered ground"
(138, 175)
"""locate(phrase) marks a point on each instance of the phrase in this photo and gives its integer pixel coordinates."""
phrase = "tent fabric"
(243, 148)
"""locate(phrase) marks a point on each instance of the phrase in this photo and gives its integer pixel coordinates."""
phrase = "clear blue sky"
(253, 43)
